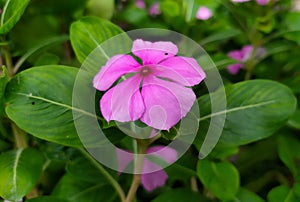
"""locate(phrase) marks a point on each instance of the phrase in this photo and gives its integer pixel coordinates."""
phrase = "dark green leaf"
(255, 110)
(12, 12)
(47, 199)
(283, 193)
(76, 190)
(39, 100)
(179, 195)
(19, 172)
(288, 151)
(245, 195)
(294, 121)
(221, 178)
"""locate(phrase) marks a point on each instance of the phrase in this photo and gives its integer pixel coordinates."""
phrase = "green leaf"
(288, 150)
(294, 121)
(255, 110)
(47, 199)
(221, 178)
(84, 170)
(245, 195)
(39, 101)
(76, 190)
(179, 195)
(283, 193)
(88, 36)
(3, 82)
(292, 26)
(12, 12)
(19, 172)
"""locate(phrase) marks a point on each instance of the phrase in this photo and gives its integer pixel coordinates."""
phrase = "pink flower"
(241, 56)
(154, 9)
(156, 93)
(262, 2)
(140, 3)
(203, 13)
(151, 180)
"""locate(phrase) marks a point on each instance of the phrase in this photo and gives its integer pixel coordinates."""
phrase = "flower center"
(145, 71)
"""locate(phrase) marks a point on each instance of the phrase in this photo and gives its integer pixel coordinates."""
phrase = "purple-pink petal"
(165, 102)
(239, 1)
(115, 67)
(154, 9)
(262, 2)
(187, 69)
(153, 53)
(124, 159)
(123, 102)
(166, 153)
(140, 3)
(235, 68)
(236, 54)
(151, 181)
(203, 13)
(246, 52)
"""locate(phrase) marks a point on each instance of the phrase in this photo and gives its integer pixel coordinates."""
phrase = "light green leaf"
(245, 195)
(88, 36)
(220, 178)
(12, 12)
(255, 110)
(19, 172)
(294, 121)
(288, 150)
(39, 101)
(76, 190)
(3, 82)
(283, 193)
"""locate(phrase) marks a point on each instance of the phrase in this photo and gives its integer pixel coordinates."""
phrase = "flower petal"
(153, 53)
(123, 102)
(151, 181)
(115, 67)
(165, 102)
(236, 54)
(187, 68)
(234, 69)
(203, 13)
(262, 2)
(166, 153)
(124, 158)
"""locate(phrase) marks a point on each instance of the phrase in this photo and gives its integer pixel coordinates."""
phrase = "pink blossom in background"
(203, 13)
(242, 56)
(157, 93)
(140, 4)
(151, 180)
(262, 2)
(154, 9)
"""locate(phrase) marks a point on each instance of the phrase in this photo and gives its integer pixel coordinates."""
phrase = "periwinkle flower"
(154, 9)
(242, 56)
(158, 91)
(203, 13)
(151, 180)
(140, 3)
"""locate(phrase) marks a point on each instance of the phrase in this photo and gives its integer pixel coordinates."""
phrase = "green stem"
(250, 64)
(19, 136)
(8, 60)
(136, 181)
(113, 182)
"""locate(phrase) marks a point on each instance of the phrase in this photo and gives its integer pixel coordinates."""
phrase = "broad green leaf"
(3, 82)
(84, 170)
(288, 150)
(255, 110)
(102, 9)
(90, 41)
(292, 25)
(294, 121)
(47, 199)
(19, 172)
(283, 193)
(223, 35)
(179, 195)
(77, 190)
(39, 101)
(220, 178)
(12, 12)
(245, 195)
